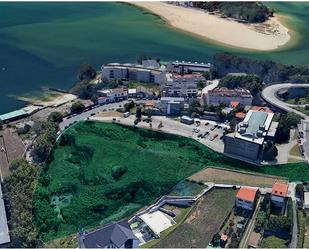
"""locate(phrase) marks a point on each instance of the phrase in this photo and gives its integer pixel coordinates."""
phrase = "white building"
(181, 85)
(171, 105)
(132, 72)
(306, 200)
(112, 95)
(157, 221)
(247, 141)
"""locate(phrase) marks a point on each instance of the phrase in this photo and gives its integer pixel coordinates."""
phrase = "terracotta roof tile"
(280, 189)
(246, 194)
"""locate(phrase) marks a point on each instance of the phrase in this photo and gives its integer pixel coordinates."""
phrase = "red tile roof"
(234, 104)
(261, 109)
(246, 194)
(280, 189)
(224, 237)
(240, 115)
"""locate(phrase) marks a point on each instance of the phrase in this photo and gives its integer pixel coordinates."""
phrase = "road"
(4, 230)
(87, 114)
(293, 243)
(269, 94)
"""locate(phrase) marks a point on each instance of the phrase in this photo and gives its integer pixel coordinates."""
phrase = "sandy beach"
(263, 36)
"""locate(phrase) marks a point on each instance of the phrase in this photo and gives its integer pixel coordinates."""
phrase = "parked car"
(206, 133)
(207, 123)
(199, 135)
(212, 128)
(215, 136)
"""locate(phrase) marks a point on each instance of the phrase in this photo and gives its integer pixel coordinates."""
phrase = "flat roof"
(4, 230)
(157, 221)
(254, 119)
(13, 114)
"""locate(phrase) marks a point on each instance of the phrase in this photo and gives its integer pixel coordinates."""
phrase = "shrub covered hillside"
(102, 172)
(252, 12)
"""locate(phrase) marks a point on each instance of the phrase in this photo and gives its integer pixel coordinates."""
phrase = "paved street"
(4, 230)
(269, 94)
(291, 193)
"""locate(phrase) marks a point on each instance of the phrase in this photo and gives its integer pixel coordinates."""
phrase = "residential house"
(112, 95)
(279, 195)
(114, 235)
(306, 200)
(246, 198)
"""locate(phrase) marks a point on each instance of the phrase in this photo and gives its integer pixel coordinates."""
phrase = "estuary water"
(43, 44)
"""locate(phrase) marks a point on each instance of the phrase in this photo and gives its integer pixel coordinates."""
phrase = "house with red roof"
(279, 195)
(246, 198)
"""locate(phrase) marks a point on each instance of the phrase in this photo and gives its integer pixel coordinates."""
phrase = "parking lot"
(206, 132)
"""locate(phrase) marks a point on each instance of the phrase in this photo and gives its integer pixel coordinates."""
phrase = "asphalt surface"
(269, 94)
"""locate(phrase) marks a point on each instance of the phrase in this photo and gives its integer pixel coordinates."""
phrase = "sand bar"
(263, 36)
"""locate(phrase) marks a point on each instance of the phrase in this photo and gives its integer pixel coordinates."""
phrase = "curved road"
(269, 94)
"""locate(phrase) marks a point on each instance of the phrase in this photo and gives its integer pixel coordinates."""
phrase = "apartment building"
(183, 67)
(132, 72)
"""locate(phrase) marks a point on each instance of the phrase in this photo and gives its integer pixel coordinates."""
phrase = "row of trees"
(268, 71)
(18, 188)
(252, 12)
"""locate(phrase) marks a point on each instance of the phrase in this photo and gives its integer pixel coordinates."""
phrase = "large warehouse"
(248, 139)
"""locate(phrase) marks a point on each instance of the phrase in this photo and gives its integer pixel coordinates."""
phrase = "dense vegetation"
(250, 82)
(252, 12)
(18, 188)
(103, 172)
(268, 71)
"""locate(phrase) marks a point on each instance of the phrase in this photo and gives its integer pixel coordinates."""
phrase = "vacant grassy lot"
(274, 242)
(234, 177)
(203, 222)
(101, 172)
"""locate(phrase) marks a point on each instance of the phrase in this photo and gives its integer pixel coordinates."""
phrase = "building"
(247, 141)
(114, 235)
(246, 198)
(157, 222)
(151, 64)
(186, 120)
(279, 194)
(171, 105)
(181, 85)
(183, 67)
(112, 95)
(19, 114)
(132, 72)
(223, 240)
(4, 235)
(223, 95)
(306, 200)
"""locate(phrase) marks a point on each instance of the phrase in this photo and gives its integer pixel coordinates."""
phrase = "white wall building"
(112, 95)
(132, 72)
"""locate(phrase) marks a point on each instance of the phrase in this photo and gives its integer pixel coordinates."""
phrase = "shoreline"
(267, 36)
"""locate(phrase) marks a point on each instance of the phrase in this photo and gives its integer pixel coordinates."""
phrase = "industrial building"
(183, 67)
(223, 95)
(132, 72)
(247, 141)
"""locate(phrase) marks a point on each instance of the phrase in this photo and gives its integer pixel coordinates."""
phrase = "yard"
(203, 222)
(234, 177)
(102, 172)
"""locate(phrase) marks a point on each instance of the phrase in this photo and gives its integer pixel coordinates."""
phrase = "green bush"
(118, 171)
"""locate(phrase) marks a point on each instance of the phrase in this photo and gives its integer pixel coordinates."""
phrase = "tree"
(77, 107)
(270, 151)
(17, 192)
(293, 119)
(201, 84)
(55, 117)
(86, 72)
(138, 113)
(128, 106)
(1, 124)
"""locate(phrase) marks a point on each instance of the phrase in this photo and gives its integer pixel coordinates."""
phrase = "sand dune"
(265, 36)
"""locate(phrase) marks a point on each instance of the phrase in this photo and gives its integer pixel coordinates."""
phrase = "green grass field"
(111, 171)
